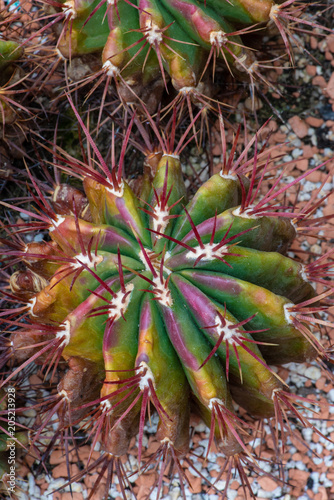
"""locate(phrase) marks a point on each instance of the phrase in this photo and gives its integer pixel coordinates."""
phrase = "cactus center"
(89, 260)
(207, 252)
(120, 302)
(55, 223)
(110, 69)
(154, 35)
(146, 375)
(65, 333)
(69, 10)
(218, 38)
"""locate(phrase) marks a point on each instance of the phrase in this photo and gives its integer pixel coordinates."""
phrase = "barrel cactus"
(10, 51)
(156, 302)
(142, 45)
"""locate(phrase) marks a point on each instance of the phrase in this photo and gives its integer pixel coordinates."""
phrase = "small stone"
(320, 383)
(314, 176)
(330, 43)
(311, 70)
(313, 372)
(100, 493)
(330, 87)
(234, 485)
(328, 55)
(299, 477)
(296, 153)
(298, 126)
(90, 480)
(216, 150)
(314, 122)
(195, 484)
(331, 395)
(319, 81)
(316, 249)
(72, 496)
(57, 457)
(308, 151)
(61, 470)
(253, 104)
(279, 137)
(314, 42)
(302, 165)
(323, 493)
(267, 484)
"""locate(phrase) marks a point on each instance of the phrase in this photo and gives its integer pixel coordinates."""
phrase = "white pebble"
(232, 494)
(307, 434)
(314, 140)
(277, 493)
(297, 152)
(313, 372)
(38, 238)
(201, 427)
(331, 395)
(220, 485)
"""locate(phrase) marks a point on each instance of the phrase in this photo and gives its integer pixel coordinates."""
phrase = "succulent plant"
(9, 52)
(157, 302)
(145, 44)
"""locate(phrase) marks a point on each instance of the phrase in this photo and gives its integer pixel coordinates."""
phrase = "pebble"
(302, 164)
(311, 70)
(319, 81)
(297, 152)
(328, 55)
(313, 42)
(298, 126)
(331, 395)
(314, 122)
(330, 43)
(70, 496)
(330, 87)
(267, 483)
(39, 237)
(307, 434)
(317, 250)
(313, 372)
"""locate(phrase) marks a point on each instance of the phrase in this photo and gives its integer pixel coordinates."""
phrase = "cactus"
(144, 44)
(152, 300)
(9, 52)
(140, 299)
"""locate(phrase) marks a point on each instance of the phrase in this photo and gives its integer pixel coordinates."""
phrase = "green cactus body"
(9, 52)
(243, 300)
(174, 303)
(142, 41)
